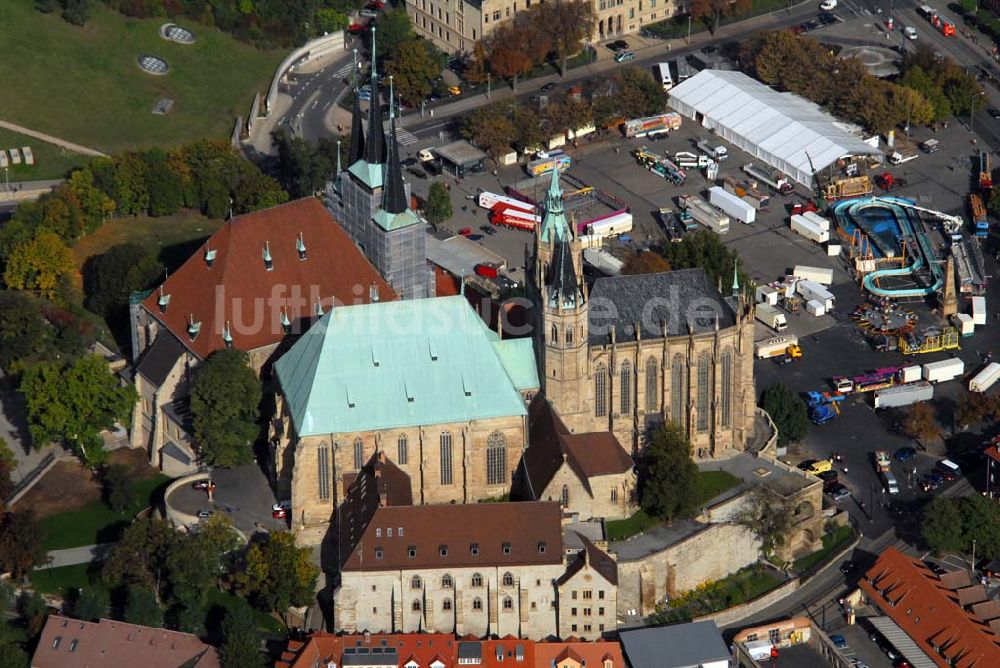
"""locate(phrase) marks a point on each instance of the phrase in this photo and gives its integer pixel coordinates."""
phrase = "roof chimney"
(268, 262)
(209, 256)
(227, 335)
(300, 246)
(286, 324)
(373, 292)
(193, 327)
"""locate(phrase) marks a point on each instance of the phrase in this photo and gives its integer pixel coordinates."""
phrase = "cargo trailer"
(732, 204)
(910, 374)
(808, 229)
(705, 213)
(985, 379)
(815, 308)
(963, 323)
(771, 316)
(979, 310)
(780, 345)
(823, 275)
(943, 370)
(904, 395)
(811, 290)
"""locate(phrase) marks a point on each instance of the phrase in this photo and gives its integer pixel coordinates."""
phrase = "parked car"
(839, 641)
(465, 231)
(910, 32)
(904, 453)
(200, 484)
(993, 112)
(455, 90)
(205, 514)
(618, 45)
(848, 567)
(827, 5)
(409, 162)
(357, 28)
(505, 283)
(931, 481)
(839, 492)
(624, 57)
(548, 87)
(487, 230)
(826, 18)
(282, 505)
(279, 513)
(368, 13)
(474, 237)
(820, 466)
(829, 476)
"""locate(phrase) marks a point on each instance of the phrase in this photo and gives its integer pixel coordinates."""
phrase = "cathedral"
(632, 351)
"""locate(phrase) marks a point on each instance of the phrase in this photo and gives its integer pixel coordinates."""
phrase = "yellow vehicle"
(820, 466)
(455, 90)
(882, 461)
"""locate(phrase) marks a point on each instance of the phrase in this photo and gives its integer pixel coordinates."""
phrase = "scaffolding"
(931, 341)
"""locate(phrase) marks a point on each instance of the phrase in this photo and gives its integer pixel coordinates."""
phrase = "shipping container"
(910, 374)
(732, 204)
(979, 310)
(611, 225)
(903, 395)
(822, 275)
(765, 294)
(821, 222)
(815, 308)
(963, 323)
(942, 370)
(984, 379)
(808, 229)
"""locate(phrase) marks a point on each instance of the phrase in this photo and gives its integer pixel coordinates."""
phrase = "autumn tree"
(39, 265)
(476, 67)
(528, 132)
(21, 539)
(139, 558)
(646, 262)
(919, 423)
(24, 333)
(491, 129)
(570, 24)
(510, 56)
(225, 405)
(977, 407)
(413, 67)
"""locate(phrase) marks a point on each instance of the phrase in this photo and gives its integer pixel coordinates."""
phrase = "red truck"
(486, 270)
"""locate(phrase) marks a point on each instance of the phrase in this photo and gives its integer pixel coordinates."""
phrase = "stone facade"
(588, 604)
(608, 497)
(482, 601)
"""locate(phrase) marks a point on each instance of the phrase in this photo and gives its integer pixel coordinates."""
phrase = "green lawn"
(622, 529)
(832, 542)
(51, 162)
(712, 483)
(96, 522)
(83, 84)
(748, 585)
(61, 581)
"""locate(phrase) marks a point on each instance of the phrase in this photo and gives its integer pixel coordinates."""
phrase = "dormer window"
(506, 548)
(300, 246)
(319, 308)
(227, 335)
(163, 301)
(474, 549)
(541, 547)
(443, 550)
(209, 256)
(266, 254)
(373, 293)
(193, 327)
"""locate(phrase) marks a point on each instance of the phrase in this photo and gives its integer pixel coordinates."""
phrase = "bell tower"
(561, 300)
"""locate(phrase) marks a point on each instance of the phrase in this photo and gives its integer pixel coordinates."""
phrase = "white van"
(948, 465)
(910, 32)
(891, 486)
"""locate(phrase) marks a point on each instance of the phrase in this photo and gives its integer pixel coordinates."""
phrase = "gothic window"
(508, 603)
(726, 389)
(447, 582)
(678, 391)
(359, 454)
(415, 582)
(704, 376)
(565, 496)
(446, 604)
(416, 605)
(496, 459)
(508, 579)
(477, 604)
(569, 335)
(554, 338)
(403, 455)
(601, 390)
(446, 477)
(323, 462)
(477, 580)
(652, 401)
(614, 495)
(625, 380)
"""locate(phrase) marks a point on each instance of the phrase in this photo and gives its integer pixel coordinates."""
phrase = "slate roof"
(678, 646)
(598, 559)
(550, 445)
(396, 364)
(237, 286)
(160, 358)
(522, 527)
(684, 298)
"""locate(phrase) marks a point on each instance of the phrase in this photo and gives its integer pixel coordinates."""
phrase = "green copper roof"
(394, 221)
(554, 224)
(402, 363)
(369, 174)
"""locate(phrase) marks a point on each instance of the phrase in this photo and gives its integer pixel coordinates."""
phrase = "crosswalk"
(345, 70)
(405, 137)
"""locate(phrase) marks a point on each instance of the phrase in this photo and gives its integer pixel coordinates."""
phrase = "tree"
(225, 399)
(391, 30)
(490, 129)
(164, 184)
(46, 6)
(476, 68)
(528, 132)
(21, 539)
(667, 474)
(919, 423)
(139, 558)
(33, 611)
(276, 573)
(302, 169)
(330, 20)
(109, 278)
(769, 517)
(38, 265)
(942, 525)
(570, 25)
(704, 249)
(196, 563)
(981, 523)
(787, 411)
(413, 68)
(76, 11)
(75, 403)
(646, 262)
(91, 604)
(977, 407)
(241, 644)
(13, 656)
(438, 206)
(24, 332)
(509, 52)
(143, 608)
(8, 462)
(919, 80)
(637, 93)
(119, 492)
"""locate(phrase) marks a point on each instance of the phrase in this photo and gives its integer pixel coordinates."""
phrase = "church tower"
(561, 299)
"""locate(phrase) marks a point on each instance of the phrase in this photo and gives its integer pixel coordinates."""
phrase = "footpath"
(68, 145)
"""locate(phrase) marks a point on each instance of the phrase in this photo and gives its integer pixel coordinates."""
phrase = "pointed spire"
(393, 192)
(736, 279)
(555, 227)
(357, 149)
(339, 167)
(374, 140)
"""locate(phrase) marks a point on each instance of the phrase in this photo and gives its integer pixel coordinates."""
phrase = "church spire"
(374, 141)
(555, 227)
(393, 192)
(357, 147)
(736, 279)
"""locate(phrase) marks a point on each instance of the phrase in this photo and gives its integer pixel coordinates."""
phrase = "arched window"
(678, 389)
(446, 604)
(323, 464)
(601, 390)
(726, 388)
(447, 582)
(415, 582)
(402, 454)
(359, 454)
(554, 336)
(477, 580)
(477, 604)
(652, 400)
(508, 579)
(614, 495)
(625, 391)
(416, 605)
(508, 603)
(569, 335)
(446, 477)
(704, 387)
(496, 459)
(565, 496)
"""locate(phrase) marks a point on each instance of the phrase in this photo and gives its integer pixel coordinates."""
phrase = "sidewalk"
(75, 555)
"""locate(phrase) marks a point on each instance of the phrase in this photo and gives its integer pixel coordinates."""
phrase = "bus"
(662, 72)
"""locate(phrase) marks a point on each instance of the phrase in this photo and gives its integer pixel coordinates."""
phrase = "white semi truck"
(771, 316)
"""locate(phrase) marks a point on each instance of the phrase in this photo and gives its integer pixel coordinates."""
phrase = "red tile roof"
(112, 644)
(924, 606)
(238, 288)
(522, 533)
(593, 653)
(322, 648)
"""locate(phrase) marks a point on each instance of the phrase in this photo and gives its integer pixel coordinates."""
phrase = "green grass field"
(61, 581)
(83, 84)
(51, 162)
(96, 522)
(832, 542)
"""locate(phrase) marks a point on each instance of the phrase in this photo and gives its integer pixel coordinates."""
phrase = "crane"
(952, 224)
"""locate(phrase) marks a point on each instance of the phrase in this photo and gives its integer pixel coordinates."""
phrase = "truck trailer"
(771, 317)
(603, 261)
(979, 311)
(613, 224)
(985, 379)
(808, 229)
(820, 221)
(732, 204)
(823, 275)
(652, 125)
(776, 180)
(705, 213)
(811, 290)
(943, 370)
(904, 395)
(781, 345)
(716, 152)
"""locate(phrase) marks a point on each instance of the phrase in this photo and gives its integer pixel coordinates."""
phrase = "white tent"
(781, 129)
